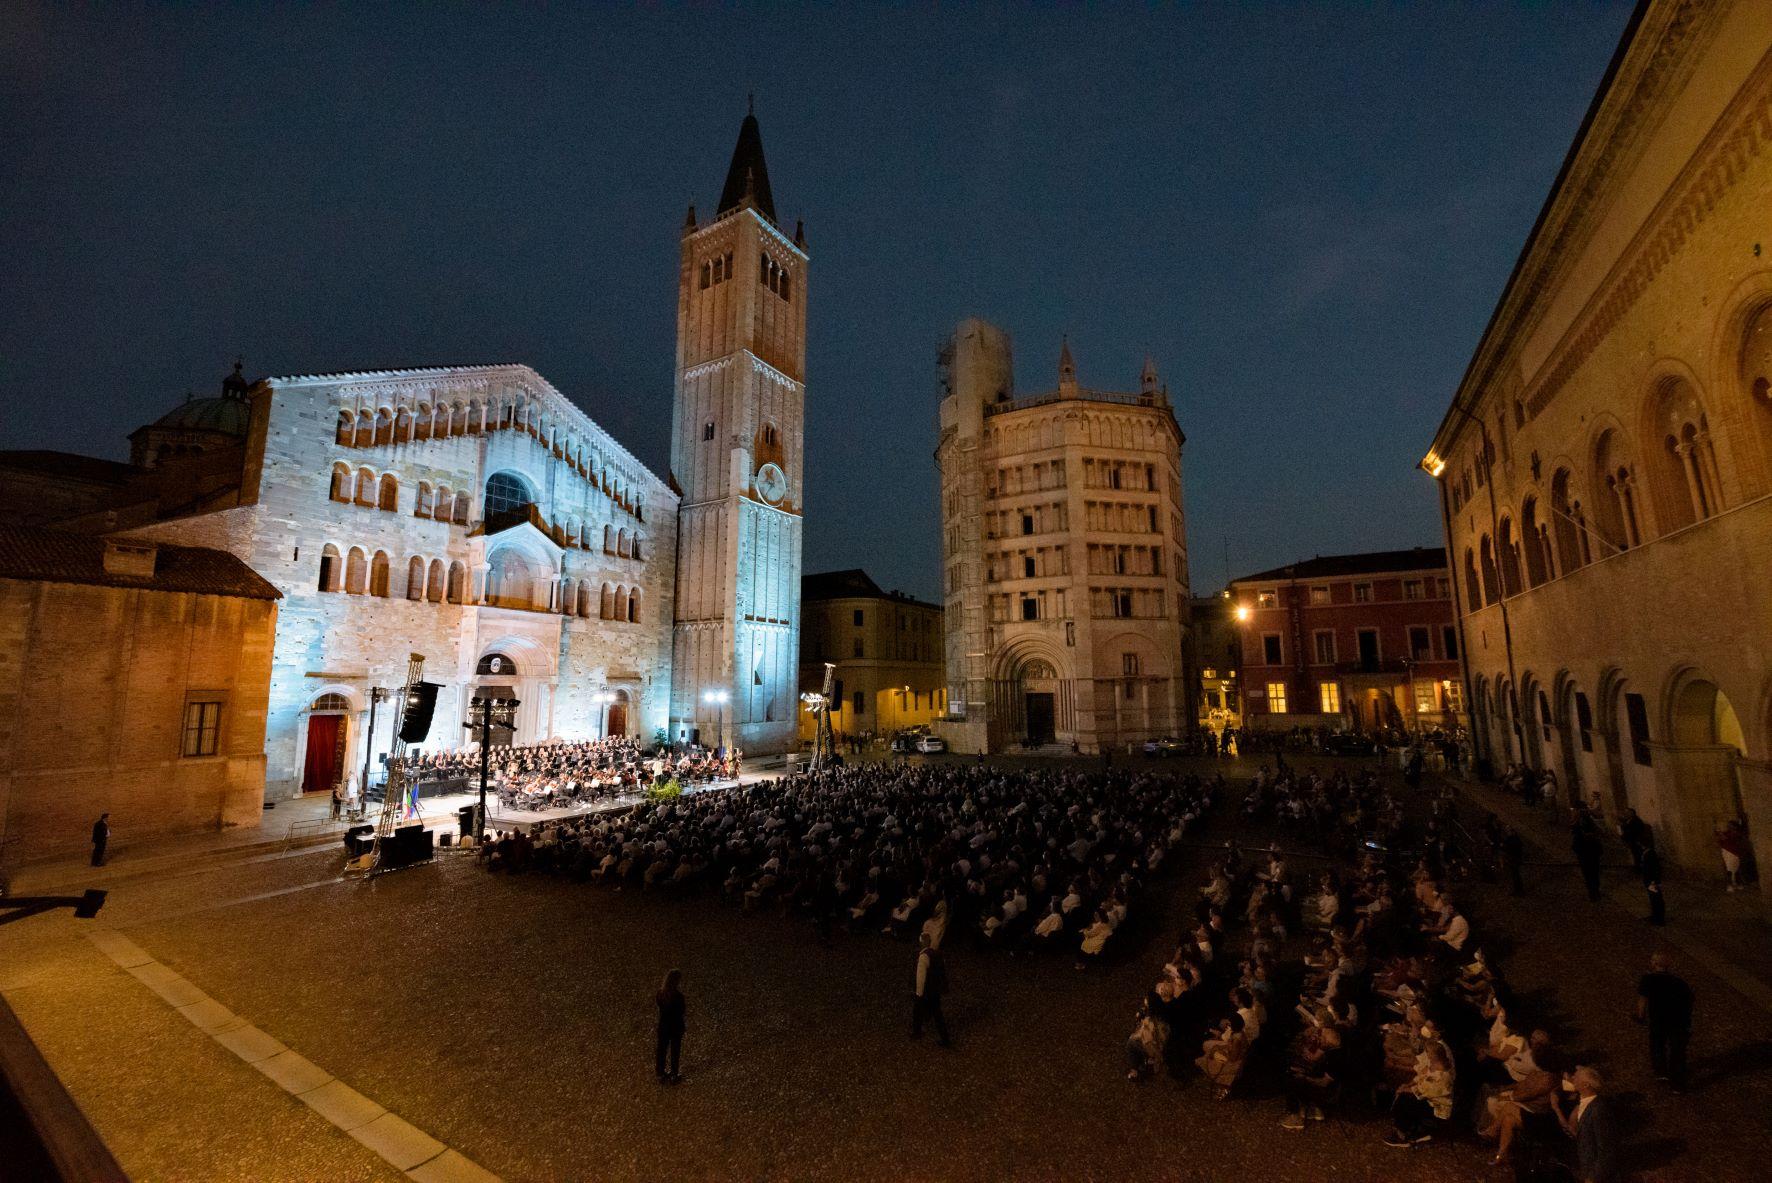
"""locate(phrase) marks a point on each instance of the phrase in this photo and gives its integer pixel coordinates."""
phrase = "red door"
(320, 772)
(618, 718)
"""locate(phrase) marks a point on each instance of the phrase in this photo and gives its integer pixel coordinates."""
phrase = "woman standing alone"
(672, 1008)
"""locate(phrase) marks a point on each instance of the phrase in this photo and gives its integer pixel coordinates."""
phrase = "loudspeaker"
(415, 724)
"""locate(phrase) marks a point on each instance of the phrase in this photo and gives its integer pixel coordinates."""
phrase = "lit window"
(1426, 700)
(1267, 599)
(1329, 697)
(202, 728)
(1276, 698)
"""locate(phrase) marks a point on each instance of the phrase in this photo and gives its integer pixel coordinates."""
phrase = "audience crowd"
(1017, 859)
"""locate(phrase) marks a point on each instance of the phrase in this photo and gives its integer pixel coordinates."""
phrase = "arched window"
(621, 542)
(443, 424)
(365, 429)
(415, 578)
(422, 506)
(634, 546)
(460, 420)
(434, 582)
(445, 504)
(634, 606)
(707, 430)
(346, 428)
(510, 583)
(1540, 564)
(330, 704)
(460, 516)
(1616, 503)
(1685, 479)
(1491, 578)
(389, 496)
(1567, 528)
(584, 598)
(421, 428)
(330, 568)
(1756, 387)
(621, 603)
(568, 597)
(1473, 591)
(384, 426)
(608, 539)
(356, 571)
(606, 605)
(403, 426)
(1510, 558)
(365, 487)
(508, 499)
(787, 286)
(341, 482)
(378, 575)
(458, 583)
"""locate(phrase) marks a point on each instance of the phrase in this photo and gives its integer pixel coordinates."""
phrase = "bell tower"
(736, 461)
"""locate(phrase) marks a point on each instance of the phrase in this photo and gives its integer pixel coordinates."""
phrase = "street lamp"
(488, 713)
(718, 698)
(1242, 613)
(603, 698)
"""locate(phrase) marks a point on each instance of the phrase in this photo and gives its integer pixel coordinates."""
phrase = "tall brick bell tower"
(736, 459)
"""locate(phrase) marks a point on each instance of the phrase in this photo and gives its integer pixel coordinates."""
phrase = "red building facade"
(1351, 642)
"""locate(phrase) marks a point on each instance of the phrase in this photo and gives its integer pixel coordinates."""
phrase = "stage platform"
(442, 813)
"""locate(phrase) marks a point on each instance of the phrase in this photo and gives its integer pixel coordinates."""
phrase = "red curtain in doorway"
(320, 771)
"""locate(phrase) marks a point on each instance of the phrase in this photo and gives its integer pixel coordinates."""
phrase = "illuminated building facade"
(1064, 553)
(1362, 642)
(887, 650)
(736, 452)
(1605, 469)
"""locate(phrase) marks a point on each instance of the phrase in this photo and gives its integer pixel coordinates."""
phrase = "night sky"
(1304, 213)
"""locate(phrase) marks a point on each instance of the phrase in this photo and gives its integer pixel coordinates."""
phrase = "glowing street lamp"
(1242, 613)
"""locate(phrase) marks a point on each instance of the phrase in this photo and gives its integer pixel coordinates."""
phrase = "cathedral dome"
(229, 415)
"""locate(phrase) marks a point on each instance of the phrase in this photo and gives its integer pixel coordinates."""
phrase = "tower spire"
(1147, 378)
(1067, 368)
(747, 178)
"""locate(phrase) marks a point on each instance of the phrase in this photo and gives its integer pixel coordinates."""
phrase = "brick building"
(1350, 642)
(1064, 556)
(887, 650)
(1216, 653)
(1605, 468)
(135, 682)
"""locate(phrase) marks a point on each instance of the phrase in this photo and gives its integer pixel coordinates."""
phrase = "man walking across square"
(1664, 1002)
(931, 984)
(101, 837)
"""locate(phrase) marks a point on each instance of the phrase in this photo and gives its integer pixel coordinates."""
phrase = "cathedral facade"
(476, 516)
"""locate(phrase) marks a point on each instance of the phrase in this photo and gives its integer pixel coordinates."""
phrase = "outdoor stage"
(441, 812)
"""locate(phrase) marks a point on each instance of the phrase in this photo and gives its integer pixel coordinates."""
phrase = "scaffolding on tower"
(824, 745)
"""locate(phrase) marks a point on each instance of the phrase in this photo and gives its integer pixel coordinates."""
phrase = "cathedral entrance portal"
(324, 765)
(1040, 716)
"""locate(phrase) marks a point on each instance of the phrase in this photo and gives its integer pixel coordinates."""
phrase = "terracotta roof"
(850, 585)
(1378, 562)
(55, 556)
(69, 464)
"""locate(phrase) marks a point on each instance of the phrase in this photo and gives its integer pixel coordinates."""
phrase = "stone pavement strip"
(402, 1144)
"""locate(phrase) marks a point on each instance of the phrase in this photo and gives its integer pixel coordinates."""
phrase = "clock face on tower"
(772, 483)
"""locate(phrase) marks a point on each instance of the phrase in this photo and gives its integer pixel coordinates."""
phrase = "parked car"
(1167, 746)
(928, 744)
(1347, 743)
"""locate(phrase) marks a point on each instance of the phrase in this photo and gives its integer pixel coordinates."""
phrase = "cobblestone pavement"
(511, 1018)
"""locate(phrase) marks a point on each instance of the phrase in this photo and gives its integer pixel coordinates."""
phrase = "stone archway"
(1704, 750)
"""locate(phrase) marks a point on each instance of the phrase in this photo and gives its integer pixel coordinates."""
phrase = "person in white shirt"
(1458, 931)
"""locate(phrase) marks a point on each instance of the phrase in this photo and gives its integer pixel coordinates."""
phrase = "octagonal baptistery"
(473, 515)
(1064, 552)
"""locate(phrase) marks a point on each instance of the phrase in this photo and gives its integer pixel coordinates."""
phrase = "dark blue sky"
(1304, 212)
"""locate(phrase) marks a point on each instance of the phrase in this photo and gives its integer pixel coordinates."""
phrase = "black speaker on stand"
(421, 704)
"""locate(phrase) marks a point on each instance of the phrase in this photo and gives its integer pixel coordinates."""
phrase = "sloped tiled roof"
(68, 464)
(1378, 562)
(747, 176)
(55, 556)
(837, 585)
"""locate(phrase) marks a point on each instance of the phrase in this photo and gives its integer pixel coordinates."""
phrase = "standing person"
(1732, 842)
(672, 1020)
(1664, 1002)
(1584, 839)
(1650, 866)
(1635, 834)
(1513, 855)
(1594, 1126)
(337, 803)
(931, 984)
(101, 837)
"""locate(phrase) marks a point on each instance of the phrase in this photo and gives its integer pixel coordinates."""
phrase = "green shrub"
(671, 788)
